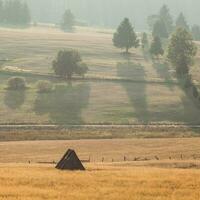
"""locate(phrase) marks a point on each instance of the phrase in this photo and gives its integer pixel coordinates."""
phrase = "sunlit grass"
(98, 182)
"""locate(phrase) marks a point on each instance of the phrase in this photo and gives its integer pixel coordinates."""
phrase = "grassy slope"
(91, 101)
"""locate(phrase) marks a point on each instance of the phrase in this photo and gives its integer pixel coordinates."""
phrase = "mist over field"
(111, 12)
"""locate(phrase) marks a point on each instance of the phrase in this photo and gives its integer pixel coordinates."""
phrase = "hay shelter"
(70, 161)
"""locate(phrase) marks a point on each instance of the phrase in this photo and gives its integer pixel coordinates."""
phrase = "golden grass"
(116, 149)
(164, 179)
(98, 182)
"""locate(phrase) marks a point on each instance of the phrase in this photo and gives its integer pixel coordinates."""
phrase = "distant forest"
(110, 12)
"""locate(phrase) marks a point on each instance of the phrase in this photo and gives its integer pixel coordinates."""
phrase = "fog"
(110, 12)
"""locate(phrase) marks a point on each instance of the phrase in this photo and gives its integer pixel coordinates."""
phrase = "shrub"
(16, 83)
(82, 69)
(195, 92)
(186, 81)
(44, 86)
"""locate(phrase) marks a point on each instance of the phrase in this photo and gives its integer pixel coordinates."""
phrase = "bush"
(195, 92)
(16, 83)
(187, 81)
(44, 86)
(82, 69)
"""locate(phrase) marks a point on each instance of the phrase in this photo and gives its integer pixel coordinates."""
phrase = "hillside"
(117, 90)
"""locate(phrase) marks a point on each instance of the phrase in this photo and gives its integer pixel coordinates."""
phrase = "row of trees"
(180, 52)
(181, 49)
(162, 24)
(14, 12)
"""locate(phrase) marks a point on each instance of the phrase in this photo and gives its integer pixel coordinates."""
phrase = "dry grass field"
(123, 90)
(99, 182)
(116, 149)
(164, 179)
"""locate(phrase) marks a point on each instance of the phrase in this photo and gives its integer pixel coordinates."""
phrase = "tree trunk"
(127, 50)
(69, 77)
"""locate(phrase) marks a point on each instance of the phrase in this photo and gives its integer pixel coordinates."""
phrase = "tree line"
(175, 42)
(15, 13)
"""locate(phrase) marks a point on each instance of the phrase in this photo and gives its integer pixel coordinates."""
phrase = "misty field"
(117, 89)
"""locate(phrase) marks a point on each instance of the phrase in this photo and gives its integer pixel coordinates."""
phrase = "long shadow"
(14, 99)
(191, 107)
(163, 71)
(64, 104)
(173, 112)
(135, 91)
(146, 54)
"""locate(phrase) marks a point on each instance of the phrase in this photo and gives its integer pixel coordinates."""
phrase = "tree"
(1, 11)
(125, 37)
(181, 22)
(68, 63)
(181, 51)
(166, 17)
(196, 32)
(16, 13)
(68, 21)
(156, 47)
(25, 14)
(160, 29)
(144, 40)
(151, 20)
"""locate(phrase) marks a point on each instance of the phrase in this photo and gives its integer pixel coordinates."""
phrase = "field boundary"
(103, 126)
(90, 78)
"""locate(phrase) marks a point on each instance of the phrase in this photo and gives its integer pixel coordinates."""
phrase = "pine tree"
(25, 14)
(181, 22)
(125, 37)
(160, 29)
(1, 12)
(144, 40)
(156, 47)
(16, 13)
(166, 17)
(181, 51)
(151, 20)
(68, 21)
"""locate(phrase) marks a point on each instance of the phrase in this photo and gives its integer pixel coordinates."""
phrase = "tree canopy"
(156, 47)
(196, 32)
(160, 29)
(181, 51)
(68, 63)
(68, 21)
(14, 12)
(181, 22)
(144, 40)
(166, 17)
(125, 37)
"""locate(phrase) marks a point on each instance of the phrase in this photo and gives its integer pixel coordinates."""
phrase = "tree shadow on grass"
(14, 99)
(163, 71)
(146, 54)
(64, 104)
(135, 91)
